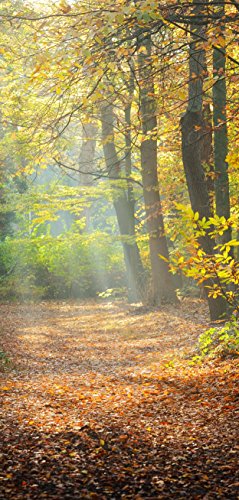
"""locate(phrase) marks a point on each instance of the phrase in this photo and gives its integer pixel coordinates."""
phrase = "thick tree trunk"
(193, 144)
(198, 193)
(123, 208)
(162, 281)
(207, 153)
(220, 126)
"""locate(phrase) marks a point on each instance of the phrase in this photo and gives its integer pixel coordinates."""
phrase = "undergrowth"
(219, 342)
(4, 360)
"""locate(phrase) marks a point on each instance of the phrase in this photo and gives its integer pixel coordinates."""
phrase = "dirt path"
(97, 406)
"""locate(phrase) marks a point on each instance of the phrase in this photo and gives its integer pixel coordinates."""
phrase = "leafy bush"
(220, 341)
(218, 271)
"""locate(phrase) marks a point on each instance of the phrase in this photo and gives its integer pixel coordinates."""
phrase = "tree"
(222, 193)
(123, 206)
(163, 289)
(86, 161)
(193, 129)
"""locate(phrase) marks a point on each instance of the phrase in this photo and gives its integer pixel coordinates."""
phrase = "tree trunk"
(128, 167)
(86, 162)
(123, 208)
(207, 153)
(193, 142)
(162, 281)
(220, 126)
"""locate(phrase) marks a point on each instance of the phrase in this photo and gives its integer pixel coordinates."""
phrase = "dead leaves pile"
(101, 403)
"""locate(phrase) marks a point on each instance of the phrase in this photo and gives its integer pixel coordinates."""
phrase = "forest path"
(98, 407)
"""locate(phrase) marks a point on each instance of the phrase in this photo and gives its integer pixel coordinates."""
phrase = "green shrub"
(220, 341)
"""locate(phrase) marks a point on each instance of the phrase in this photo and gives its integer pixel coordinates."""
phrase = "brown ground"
(100, 403)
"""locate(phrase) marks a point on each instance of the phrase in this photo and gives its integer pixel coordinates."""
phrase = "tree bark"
(86, 162)
(193, 143)
(220, 126)
(162, 281)
(123, 208)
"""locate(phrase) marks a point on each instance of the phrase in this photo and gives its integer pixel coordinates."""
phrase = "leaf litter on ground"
(99, 402)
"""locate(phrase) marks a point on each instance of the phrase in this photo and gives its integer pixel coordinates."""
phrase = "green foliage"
(19, 258)
(50, 254)
(217, 272)
(4, 360)
(220, 341)
(70, 265)
(113, 293)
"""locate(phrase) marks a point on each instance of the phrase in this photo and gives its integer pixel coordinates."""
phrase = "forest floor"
(100, 402)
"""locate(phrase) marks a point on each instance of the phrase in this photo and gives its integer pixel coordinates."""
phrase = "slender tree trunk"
(220, 125)
(86, 162)
(133, 251)
(123, 208)
(193, 130)
(128, 166)
(162, 281)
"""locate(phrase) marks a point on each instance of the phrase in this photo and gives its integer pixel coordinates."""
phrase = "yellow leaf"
(142, 50)
(64, 7)
(196, 216)
(162, 257)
